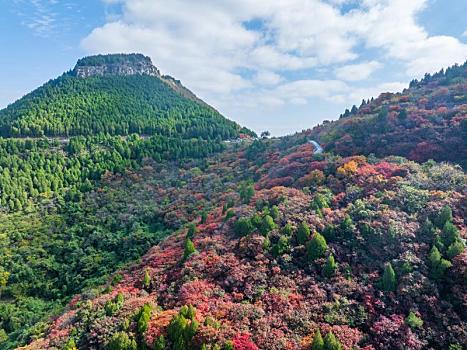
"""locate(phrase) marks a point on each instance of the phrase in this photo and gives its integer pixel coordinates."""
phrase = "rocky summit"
(115, 64)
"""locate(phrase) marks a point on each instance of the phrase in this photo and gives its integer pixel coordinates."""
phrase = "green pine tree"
(450, 234)
(303, 233)
(267, 225)
(330, 267)
(438, 265)
(455, 249)
(331, 342)
(317, 247)
(189, 249)
(318, 342)
(146, 280)
(389, 282)
(444, 216)
(160, 343)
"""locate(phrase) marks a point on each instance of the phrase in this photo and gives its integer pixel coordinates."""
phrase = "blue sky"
(280, 65)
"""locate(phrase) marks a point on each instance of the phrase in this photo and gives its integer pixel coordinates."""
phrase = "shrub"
(427, 229)
(347, 227)
(316, 247)
(247, 192)
(112, 306)
(413, 321)
(303, 233)
(191, 230)
(182, 328)
(160, 343)
(69, 345)
(256, 220)
(229, 214)
(329, 232)
(320, 201)
(204, 217)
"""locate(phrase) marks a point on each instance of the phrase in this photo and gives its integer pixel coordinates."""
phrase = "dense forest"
(426, 121)
(54, 243)
(115, 105)
(128, 222)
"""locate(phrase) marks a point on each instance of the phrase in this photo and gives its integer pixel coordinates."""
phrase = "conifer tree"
(146, 280)
(438, 265)
(330, 267)
(303, 233)
(455, 249)
(318, 343)
(160, 343)
(389, 278)
(331, 342)
(316, 247)
(189, 249)
(444, 216)
(267, 225)
(450, 234)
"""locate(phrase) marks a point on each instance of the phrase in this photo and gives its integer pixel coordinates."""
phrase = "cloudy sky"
(280, 65)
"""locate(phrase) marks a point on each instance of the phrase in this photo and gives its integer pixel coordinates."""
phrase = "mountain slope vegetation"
(127, 222)
(368, 252)
(116, 104)
(53, 242)
(426, 121)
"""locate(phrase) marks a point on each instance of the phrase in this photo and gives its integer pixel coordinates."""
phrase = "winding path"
(318, 148)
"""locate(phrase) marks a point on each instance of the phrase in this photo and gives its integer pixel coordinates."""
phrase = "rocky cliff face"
(103, 65)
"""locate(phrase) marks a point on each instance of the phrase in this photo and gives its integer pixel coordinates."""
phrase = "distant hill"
(426, 121)
(115, 94)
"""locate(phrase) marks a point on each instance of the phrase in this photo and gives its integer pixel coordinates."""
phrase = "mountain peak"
(115, 64)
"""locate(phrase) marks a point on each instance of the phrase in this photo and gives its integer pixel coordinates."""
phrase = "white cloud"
(267, 78)
(354, 72)
(391, 25)
(247, 52)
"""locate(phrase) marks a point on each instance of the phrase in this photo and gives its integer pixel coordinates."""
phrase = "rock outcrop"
(120, 64)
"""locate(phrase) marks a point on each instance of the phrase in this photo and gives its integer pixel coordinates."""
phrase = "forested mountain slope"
(118, 95)
(426, 121)
(53, 241)
(135, 226)
(366, 253)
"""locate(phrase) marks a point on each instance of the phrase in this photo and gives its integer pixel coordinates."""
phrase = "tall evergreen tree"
(317, 247)
(303, 233)
(331, 342)
(330, 267)
(389, 281)
(318, 343)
